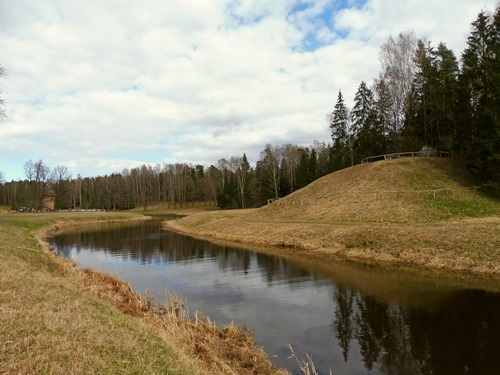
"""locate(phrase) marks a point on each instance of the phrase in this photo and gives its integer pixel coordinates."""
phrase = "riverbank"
(58, 318)
(418, 212)
(470, 245)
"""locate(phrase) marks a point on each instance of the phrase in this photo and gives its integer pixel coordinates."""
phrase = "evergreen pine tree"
(479, 81)
(417, 131)
(312, 170)
(383, 114)
(431, 114)
(446, 97)
(303, 169)
(366, 130)
(339, 126)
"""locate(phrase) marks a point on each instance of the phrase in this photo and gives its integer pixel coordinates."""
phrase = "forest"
(424, 98)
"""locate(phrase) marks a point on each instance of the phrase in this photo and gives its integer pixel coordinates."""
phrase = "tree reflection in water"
(458, 336)
(382, 325)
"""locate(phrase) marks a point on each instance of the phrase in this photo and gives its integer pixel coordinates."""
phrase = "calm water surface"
(351, 319)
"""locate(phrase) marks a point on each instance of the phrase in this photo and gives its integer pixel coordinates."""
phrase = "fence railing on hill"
(366, 195)
(413, 154)
(271, 200)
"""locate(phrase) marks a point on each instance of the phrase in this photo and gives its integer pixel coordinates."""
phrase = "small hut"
(48, 199)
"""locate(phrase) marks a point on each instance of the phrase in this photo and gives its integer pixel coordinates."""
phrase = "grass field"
(56, 318)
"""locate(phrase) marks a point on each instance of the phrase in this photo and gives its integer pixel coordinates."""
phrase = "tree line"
(424, 97)
(229, 183)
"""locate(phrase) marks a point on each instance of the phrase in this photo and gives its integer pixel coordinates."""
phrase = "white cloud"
(102, 86)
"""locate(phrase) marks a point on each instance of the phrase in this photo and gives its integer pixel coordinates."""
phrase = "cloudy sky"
(99, 86)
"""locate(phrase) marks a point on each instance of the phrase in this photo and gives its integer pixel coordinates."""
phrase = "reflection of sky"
(284, 303)
(280, 311)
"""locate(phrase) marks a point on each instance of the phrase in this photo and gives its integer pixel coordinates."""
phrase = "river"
(349, 318)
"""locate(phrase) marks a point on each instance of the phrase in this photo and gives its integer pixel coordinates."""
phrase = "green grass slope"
(400, 190)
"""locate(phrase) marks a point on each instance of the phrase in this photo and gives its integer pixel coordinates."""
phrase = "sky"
(100, 86)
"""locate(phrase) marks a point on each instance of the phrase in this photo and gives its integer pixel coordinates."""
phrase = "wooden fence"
(413, 154)
(366, 195)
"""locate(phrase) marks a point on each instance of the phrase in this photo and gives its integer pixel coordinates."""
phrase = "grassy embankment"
(60, 319)
(408, 211)
(57, 318)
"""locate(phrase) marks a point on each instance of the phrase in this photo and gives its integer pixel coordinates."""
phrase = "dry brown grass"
(225, 350)
(57, 318)
(389, 191)
(372, 212)
(50, 323)
(462, 245)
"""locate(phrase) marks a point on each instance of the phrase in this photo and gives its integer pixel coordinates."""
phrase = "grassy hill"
(418, 211)
(400, 190)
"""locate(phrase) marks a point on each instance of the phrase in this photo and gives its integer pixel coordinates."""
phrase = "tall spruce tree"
(366, 129)
(339, 126)
(431, 114)
(383, 113)
(362, 111)
(479, 128)
(312, 170)
(303, 168)
(446, 97)
(417, 131)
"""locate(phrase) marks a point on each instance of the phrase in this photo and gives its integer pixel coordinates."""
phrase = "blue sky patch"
(321, 23)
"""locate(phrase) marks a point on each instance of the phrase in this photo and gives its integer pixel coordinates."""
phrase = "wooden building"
(48, 199)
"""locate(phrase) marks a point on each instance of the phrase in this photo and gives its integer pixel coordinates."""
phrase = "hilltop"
(399, 190)
(423, 211)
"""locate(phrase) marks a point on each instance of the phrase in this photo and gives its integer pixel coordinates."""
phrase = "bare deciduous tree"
(398, 69)
(60, 173)
(241, 169)
(221, 171)
(42, 171)
(271, 158)
(291, 158)
(36, 171)
(211, 177)
(29, 170)
(37, 174)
